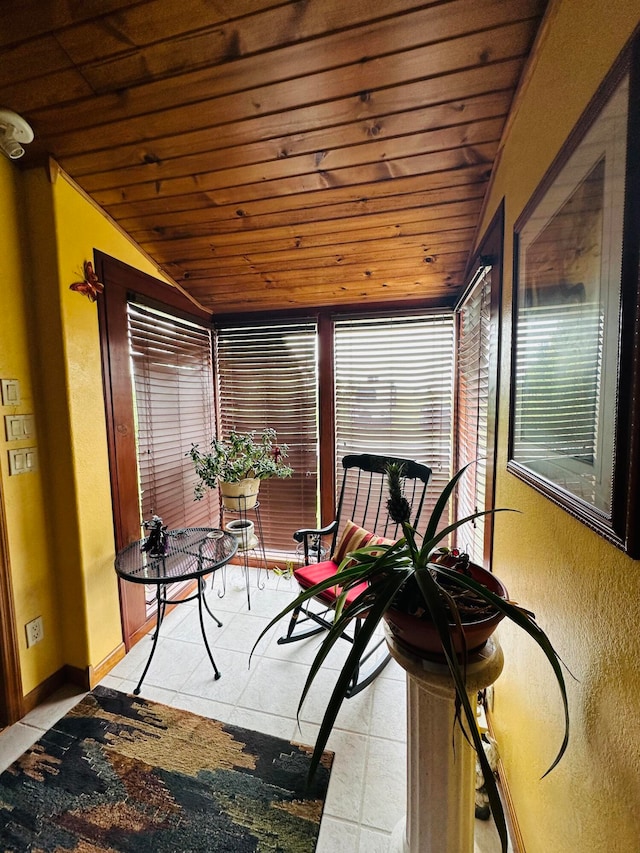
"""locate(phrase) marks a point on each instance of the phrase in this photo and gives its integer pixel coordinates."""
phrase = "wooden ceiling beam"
(148, 111)
(164, 38)
(437, 217)
(328, 213)
(356, 195)
(330, 161)
(331, 294)
(472, 152)
(33, 18)
(384, 131)
(240, 265)
(373, 268)
(313, 125)
(327, 255)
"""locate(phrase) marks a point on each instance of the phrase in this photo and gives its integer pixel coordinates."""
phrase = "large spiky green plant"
(406, 570)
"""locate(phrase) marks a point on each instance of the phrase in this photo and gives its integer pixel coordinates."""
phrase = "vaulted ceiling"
(270, 155)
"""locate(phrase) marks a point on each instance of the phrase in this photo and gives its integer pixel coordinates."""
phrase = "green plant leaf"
(351, 664)
(523, 619)
(441, 503)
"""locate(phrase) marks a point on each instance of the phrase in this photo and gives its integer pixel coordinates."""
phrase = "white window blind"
(474, 319)
(267, 377)
(557, 415)
(172, 374)
(394, 391)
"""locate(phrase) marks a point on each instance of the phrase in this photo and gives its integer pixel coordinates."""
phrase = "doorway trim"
(122, 284)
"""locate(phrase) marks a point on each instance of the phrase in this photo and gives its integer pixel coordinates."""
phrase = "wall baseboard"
(97, 673)
(37, 696)
(86, 679)
(513, 826)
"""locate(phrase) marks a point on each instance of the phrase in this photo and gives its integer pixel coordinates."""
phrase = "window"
(575, 369)
(394, 391)
(173, 396)
(268, 377)
(474, 318)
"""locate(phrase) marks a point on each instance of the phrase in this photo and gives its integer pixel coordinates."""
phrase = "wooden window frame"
(121, 281)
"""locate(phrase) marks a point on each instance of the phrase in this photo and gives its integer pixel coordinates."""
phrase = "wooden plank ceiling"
(277, 155)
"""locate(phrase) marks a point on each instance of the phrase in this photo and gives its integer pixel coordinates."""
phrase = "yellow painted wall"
(59, 521)
(29, 555)
(584, 592)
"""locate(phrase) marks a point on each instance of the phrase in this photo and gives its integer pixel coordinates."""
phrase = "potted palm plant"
(237, 464)
(416, 581)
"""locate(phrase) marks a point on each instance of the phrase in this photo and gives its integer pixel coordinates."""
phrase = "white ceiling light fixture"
(14, 131)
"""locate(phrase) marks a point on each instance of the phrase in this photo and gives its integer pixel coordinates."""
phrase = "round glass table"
(185, 554)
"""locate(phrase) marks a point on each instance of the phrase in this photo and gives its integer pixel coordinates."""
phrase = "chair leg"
(291, 636)
(364, 675)
(360, 680)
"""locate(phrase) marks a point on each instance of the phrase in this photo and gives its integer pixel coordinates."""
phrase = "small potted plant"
(237, 464)
(416, 580)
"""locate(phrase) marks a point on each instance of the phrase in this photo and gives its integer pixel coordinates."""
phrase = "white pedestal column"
(440, 762)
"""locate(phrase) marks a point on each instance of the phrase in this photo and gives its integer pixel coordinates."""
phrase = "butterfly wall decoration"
(91, 287)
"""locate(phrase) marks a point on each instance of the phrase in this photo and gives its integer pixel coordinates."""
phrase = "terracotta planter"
(419, 635)
(240, 496)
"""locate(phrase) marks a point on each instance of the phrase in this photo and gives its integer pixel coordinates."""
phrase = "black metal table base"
(162, 601)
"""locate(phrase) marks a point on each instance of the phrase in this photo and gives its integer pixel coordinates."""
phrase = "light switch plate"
(23, 460)
(18, 427)
(10, 392)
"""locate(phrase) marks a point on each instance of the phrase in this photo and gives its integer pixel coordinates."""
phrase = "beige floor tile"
(54, 707)
(384, 795)
(15, 740)
(337, 836)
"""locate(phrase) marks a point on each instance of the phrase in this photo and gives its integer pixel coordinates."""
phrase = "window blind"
(267, 377)
(557, 415)
(394, 391)
(171, 366)
(474, 319)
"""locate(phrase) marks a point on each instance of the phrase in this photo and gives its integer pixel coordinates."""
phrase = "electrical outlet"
(35, 631)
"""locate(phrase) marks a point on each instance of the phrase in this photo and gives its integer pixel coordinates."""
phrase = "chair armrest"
(303, 533)
(307, 535)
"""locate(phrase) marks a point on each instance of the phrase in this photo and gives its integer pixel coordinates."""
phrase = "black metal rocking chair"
(362, 518)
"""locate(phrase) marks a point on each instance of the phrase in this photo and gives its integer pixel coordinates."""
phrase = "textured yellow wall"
(584, 592)
(80, 228)
(29, 555)
(59, 521)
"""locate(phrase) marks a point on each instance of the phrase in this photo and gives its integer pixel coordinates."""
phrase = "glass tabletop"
(191, 552)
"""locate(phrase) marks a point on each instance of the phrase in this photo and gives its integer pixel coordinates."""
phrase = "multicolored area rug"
(120, 773)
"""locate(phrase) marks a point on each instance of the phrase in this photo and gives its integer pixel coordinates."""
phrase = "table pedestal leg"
(160, 608)
(201, 598)
(206, 603)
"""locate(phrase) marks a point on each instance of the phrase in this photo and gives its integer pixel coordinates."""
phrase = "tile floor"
(366, 796)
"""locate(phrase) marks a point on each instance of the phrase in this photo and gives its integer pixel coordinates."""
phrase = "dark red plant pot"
(419, 635)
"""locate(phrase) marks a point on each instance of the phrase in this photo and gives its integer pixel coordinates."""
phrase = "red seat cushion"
(307, 576)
